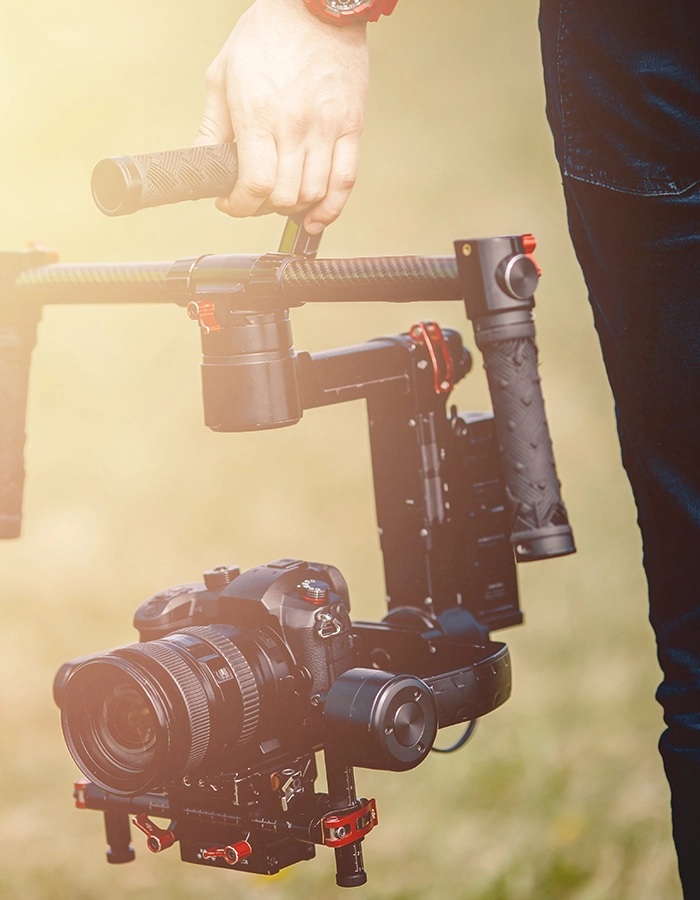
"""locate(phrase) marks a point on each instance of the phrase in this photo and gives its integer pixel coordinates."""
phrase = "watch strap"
(369, 11)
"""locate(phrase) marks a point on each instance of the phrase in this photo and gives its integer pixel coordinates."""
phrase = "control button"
(517, 275)
(220, 576)
(314, 591)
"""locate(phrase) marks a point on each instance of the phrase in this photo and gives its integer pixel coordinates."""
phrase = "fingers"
(257, 174)
(301, 179)
(290, 165)
(317, 173)
(283, 175)
(340, 184)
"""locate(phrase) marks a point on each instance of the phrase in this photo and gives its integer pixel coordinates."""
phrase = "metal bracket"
(339, 830)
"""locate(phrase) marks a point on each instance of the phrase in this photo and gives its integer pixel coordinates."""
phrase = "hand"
(292, 90)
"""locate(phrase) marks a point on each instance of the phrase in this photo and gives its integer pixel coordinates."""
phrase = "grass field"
(561, 795)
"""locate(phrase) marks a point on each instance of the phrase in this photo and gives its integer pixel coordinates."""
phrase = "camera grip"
(125, 184)
(539, 522)
(17, 339)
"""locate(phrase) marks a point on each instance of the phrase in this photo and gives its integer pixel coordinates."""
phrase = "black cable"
(466, 737)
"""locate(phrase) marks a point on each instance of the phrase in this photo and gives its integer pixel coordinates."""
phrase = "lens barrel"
(145, 715)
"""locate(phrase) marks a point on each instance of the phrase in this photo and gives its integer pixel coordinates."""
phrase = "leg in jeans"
(622, 86)
(641, 257)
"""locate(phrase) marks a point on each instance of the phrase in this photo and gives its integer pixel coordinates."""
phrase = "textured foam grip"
(17, 338)
(125, 184)
(539, 523)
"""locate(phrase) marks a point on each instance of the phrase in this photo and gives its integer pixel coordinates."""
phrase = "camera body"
(214, 718)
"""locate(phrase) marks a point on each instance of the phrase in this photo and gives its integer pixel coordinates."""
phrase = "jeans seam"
(561, 79)
(638, 192)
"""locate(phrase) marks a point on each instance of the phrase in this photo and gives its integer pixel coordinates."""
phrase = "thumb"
(215, 127)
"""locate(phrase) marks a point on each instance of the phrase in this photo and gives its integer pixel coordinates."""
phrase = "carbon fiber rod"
(274, 279)
(393, 279)
(95, 283)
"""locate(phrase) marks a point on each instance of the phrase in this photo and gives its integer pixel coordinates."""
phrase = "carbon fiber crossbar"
(279, 280)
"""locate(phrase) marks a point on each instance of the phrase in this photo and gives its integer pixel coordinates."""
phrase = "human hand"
(291, 89)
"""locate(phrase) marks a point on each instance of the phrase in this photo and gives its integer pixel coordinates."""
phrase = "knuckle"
(281, 199)
(258, 185)
(297, 123)
(345, 181)
(354, 123)
(309, 196)
(330, 210)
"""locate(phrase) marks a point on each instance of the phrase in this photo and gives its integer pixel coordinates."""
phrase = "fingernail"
(313, 227)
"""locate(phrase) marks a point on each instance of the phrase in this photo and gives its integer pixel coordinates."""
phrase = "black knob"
(517, 276)
(219, 577)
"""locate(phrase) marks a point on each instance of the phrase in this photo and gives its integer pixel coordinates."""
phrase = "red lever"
(529, 246)
(157, 838)
(231, 854)
(204, 312)
(430, 334)
(346, 829)
(79, 792)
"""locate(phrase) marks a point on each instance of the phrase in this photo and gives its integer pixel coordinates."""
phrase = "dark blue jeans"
(623, 100)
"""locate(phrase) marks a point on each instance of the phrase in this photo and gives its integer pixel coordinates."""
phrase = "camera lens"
(142, 716)
(126, 726)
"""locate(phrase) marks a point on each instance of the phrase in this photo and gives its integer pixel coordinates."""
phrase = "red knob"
(157, 838)
(231, 854)
(529, 243)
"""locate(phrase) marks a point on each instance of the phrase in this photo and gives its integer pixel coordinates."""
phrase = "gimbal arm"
(496, 277)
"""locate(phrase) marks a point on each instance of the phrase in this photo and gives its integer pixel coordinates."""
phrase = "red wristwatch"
(346, 12)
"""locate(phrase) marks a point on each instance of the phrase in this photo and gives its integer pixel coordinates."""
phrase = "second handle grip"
(499, 277)
(17, 339)
(125, 184)
(539, 522)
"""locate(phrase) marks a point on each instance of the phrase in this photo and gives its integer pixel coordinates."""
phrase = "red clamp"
(157, 838)
(231, 854)
(529, 246)
(339, 830)
(203, 311)
(430, 334)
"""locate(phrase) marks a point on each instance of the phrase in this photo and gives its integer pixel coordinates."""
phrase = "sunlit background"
(561, 794)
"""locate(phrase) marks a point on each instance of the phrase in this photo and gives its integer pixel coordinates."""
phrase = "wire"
(466, 737)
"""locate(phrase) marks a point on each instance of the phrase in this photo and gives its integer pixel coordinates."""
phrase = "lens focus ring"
(242, 672)
(192, 692)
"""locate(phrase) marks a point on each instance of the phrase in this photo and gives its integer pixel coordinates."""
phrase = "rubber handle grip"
(125, 184)
(540, 526)
(17, 339)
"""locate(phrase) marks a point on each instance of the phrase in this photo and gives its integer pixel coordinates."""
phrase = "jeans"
(623, 101)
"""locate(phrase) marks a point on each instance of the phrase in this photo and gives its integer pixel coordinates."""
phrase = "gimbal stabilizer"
(213, 720)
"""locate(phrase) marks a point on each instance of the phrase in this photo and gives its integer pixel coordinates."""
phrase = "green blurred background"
(561, 795)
